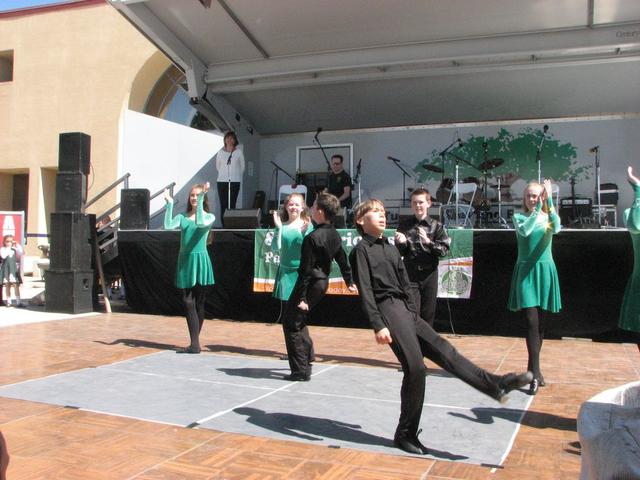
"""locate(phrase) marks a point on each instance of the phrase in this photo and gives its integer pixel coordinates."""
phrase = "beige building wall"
(74, 68)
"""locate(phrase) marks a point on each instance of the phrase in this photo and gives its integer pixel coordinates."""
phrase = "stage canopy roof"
(292, 66)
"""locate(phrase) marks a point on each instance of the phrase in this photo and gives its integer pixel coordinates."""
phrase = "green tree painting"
(518, 154)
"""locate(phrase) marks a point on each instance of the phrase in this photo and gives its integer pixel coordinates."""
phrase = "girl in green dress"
(292, 225)
(630, 311)
(534, 284)
(194, 272)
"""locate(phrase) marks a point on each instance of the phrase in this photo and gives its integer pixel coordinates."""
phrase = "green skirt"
(286, 279)
(194, 268)
(535, 285)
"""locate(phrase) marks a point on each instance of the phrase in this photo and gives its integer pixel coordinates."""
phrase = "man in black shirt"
(422, 241)
(340, 182)
(319, 249)
(383, 286)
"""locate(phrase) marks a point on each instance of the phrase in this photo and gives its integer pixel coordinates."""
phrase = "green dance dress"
(630, 311)
(289, 244)
(535, 279)
(194, 264)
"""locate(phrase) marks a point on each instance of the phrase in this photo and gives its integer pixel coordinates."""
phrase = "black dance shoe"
(407, 444)
(533, 386)
(297, 377)
(541, 382)
(511, 381)
(189, 349)
(419, 444)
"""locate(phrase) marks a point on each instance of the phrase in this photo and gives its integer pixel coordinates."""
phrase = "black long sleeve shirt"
(420, 258)
(319, 248)
(379, 274)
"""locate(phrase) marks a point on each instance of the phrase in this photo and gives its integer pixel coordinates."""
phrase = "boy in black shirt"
(319, 248)
(422, 241)
(384, 291)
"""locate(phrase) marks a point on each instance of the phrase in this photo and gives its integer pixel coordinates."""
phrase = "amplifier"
(571, 201)
(572, 209)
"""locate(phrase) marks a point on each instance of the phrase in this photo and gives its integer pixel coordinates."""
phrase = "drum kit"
(481, 204)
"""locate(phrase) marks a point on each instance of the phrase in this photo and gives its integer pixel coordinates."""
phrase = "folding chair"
(448, 211)
(286, 190)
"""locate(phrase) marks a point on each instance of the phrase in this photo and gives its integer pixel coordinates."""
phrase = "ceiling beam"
(588, 44)
(244, 29)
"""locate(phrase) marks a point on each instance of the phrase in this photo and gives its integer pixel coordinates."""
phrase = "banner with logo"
(452, 279)
(12, 223)
(455, 271)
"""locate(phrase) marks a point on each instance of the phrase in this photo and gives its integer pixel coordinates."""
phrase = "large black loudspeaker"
(134, 209)
(242, 219)
(71, 191)
(69, 291)
(71, 241)
(74, 153)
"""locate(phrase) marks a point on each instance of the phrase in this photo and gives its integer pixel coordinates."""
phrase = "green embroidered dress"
(535, 279)
(194, 264)
(289, 244)
(630, 311)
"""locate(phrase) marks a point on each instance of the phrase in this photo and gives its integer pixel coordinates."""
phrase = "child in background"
(10, 256)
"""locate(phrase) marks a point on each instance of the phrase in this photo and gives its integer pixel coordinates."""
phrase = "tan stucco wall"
(74, 68)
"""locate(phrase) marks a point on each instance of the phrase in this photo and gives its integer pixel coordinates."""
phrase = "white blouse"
(234, 170)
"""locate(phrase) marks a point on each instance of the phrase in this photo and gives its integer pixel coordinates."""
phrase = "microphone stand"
(324, 154)
(275, 170)
(538, 156)
(443, 154)
(356, 179)
(597, 165)
(229, 181)
(405, 174)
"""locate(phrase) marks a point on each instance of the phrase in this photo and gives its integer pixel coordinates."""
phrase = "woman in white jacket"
(230, 166)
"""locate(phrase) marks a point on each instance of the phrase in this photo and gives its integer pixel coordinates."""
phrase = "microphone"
(594, 149)
(358, 167)
(460, 142)
(545, 129)
(317, 133)
(393, 159)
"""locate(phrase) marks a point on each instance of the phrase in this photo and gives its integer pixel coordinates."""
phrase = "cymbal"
(490, 164)
(433, 168)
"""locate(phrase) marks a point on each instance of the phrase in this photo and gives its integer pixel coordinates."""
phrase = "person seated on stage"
(340, 183)
(319, 249)
(384, 289)
(422, 241)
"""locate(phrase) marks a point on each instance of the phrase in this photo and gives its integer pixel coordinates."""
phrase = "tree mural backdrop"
(518, 151)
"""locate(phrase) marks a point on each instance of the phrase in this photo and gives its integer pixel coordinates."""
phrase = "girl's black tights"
(193, 299)
(535, 335)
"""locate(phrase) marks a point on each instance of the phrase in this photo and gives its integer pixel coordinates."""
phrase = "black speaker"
(74, 153)
(68, 291)
(71, 191)
(242, 219)
(134, 209)
(71, 241)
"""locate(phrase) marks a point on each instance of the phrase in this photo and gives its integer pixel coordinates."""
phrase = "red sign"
(12, 223)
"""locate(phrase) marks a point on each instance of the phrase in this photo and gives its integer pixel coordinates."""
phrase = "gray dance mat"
(342, 406)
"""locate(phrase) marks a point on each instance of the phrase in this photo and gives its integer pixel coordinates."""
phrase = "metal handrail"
(124, 178)
(163, 208)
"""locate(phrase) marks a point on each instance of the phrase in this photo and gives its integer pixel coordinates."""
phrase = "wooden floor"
(51, 442)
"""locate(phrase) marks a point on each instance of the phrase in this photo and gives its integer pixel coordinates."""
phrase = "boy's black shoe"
(511, 381)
